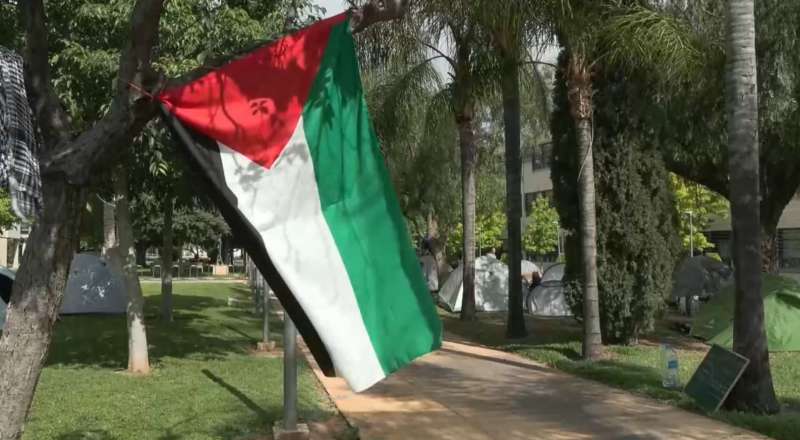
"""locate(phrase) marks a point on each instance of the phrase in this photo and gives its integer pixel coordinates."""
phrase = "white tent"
(491, 286)
(528, 269)
(431, 271)
(547, 299)
(93, 287)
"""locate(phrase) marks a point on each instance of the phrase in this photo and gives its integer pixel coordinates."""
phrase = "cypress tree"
(637, 239)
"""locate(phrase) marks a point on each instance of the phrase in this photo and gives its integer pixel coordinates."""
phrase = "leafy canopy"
(542, 228)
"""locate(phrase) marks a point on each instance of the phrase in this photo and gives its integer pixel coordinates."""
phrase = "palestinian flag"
(284, 139)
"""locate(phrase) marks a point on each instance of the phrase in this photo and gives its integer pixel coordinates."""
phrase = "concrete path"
(473, 393)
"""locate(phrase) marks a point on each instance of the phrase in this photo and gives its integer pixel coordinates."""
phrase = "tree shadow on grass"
(91, 434)
(204, 328)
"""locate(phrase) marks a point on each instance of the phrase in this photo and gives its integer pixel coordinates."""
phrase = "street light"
(558, 228)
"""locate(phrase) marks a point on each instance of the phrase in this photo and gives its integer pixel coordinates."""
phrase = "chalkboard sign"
(716, 377)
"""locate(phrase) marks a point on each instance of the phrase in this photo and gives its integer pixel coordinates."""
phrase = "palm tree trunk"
(512, 126)
(167, 260)
(35, 302)
(469, 160)
(579, 84)
(436, 247)
(754, 391)
(138, 359)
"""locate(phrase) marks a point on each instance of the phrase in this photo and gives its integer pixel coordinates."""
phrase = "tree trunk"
(469, 161)
(167, 255)
(138, 359)
(579, 84)
(770, 257)
(512, 126)
(141, 254)
(436, 247)
(35, 302)
(754, 391)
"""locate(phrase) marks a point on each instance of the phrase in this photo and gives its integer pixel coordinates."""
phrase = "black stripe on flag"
(203, 154)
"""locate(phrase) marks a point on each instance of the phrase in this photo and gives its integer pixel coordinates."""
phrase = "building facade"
(12, 245)
(536, 183)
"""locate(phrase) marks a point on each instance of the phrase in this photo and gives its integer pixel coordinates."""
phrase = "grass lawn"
(204, 385)
(556, 342)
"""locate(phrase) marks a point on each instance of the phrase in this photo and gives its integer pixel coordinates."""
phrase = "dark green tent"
(714, 321)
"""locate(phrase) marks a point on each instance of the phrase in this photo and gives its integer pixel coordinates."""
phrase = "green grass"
(556, 342)
(205, 384)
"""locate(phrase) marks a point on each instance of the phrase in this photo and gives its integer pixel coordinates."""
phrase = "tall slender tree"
(628, 34)
(432, 22)
(754, 391)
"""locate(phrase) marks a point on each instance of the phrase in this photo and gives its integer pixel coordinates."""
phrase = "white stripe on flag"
(283, 205)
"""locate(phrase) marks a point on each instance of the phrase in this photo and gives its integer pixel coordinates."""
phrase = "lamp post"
(558, 230)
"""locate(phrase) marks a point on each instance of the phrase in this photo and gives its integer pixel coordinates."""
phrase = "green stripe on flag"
(363, 213)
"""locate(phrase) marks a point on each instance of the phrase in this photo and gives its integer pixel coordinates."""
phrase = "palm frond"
(644, 37)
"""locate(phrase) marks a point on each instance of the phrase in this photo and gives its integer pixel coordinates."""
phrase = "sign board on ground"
(715, 377)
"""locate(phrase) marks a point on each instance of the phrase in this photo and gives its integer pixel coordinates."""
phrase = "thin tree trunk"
(141, 254)
(754, 391)
(770, 258)
(437, 249)
(35, 302)
(512, 126)
(469, 160)
(167, 256)
(138, 359)
(580, 98)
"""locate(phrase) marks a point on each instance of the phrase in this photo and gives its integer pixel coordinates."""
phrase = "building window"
(532, 196)
(789, 249)
(540, 157)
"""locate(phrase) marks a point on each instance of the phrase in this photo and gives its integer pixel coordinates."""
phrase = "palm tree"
(624, 35)
(754, 391)
(429, 23)
(509, 23)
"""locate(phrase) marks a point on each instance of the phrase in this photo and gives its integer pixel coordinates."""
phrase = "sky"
(332, 7)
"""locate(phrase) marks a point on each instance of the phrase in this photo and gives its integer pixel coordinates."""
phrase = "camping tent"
(714, 321)
(547, 299)
(491, 286)
(529, 269)
(93, 287)
(431, 271)
(6, 282)
(700, 276)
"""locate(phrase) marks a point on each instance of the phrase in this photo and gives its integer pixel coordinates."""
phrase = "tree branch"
(49, 113)
(362, 17)
(441, 54)
(376, 11)
(130, 110)
(540, 63)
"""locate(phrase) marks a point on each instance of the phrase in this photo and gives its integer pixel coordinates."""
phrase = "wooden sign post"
(715, 378)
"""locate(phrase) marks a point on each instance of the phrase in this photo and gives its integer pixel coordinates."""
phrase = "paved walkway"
(472, 393)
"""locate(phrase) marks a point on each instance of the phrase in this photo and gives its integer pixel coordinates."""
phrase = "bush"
(637, 240)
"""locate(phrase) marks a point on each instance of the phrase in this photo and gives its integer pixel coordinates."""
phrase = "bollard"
(289, 374)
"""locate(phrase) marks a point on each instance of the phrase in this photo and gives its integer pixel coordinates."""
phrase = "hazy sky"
(332, 7)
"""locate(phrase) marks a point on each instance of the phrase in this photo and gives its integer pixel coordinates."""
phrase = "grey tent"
(93, 287)
(548, 299)
(700, 276)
